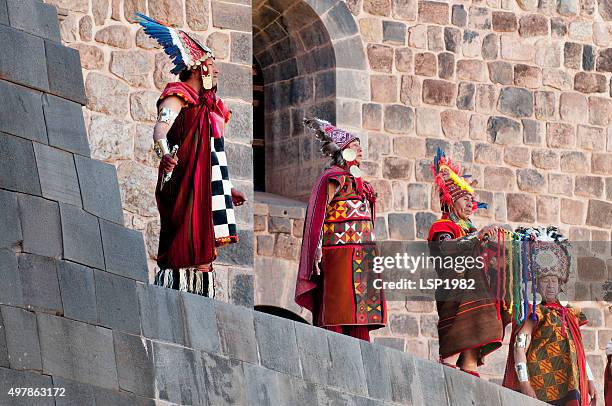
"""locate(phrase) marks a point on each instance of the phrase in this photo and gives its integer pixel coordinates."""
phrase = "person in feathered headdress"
(547, 360)
(469, 325)
(194, 194)
(334, 278)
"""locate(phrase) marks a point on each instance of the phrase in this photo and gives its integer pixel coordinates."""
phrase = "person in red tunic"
(335, 277)
(194, 194)
(469, 325)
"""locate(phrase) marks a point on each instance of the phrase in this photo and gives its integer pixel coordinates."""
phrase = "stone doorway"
(293, 49)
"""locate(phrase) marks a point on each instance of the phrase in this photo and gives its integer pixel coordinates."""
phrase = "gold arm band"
(521, 371)
(521, 340)
(161, 147)
(167, 116)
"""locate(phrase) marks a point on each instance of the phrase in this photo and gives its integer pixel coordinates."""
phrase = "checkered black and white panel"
(224, 220)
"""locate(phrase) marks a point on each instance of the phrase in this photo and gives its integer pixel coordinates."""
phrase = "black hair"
(185, 74)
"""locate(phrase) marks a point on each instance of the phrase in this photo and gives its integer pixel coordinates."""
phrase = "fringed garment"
(342, 298)
(468, 318)
(556, 359)
(189, 280)
(195, 205)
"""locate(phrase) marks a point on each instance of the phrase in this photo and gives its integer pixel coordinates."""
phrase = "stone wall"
(124, 72)
(519, 91)
(519, 94)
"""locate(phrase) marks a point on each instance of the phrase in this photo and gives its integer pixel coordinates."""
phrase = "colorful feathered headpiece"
(185, 51)
(551, 251)
(449, 181)
(332, 138)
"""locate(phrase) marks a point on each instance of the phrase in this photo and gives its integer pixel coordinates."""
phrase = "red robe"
(185, 207)
(468, 319)
(339, 299)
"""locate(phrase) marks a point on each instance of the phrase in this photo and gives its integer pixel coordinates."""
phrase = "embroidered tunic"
(347, 297)
(552, 359)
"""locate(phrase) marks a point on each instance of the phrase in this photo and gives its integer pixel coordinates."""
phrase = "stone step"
(188, 349)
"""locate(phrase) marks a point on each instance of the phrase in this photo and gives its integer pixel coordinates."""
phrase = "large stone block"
(21, 338)
(58, 177)
(315, 364)
(464, 390)
(65, 124)
(134, 357)
(19, 379)
(10, 289)
(240, 126)
(99, 189)
(3, 13)
(238, 254)
(236, 332)
(124, 251)
(11, 235)
(64, 69)
(34, 17)
(200, 323)
(348, 54)
(27, 68)
(28, 120)
(41, 226)
(76, 393)
(171, 381)
(225, 381)
(235, 80)
(263, 387)
(516, 102)
(78, 291)
(81, 237)
(77, 351)
(328, 396)
(161, 313)
(107, 397)
(107, 95)
(39, 284)
(502, 130)
(296, 391)
(239, 158)
(4, 352)
(599, 214)
(19, 170)
(340, 22)
(346, 363)
(377, 372)
(117, 302)
(277, 343)
(231, 16)
(241, 286)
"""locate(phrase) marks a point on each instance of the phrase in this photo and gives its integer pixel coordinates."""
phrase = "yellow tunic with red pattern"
(347, 237)
(552, 357)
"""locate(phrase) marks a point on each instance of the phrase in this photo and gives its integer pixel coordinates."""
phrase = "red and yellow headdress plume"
(450, 182)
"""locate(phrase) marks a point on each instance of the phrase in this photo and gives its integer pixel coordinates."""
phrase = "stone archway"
(312, 60)
(311, 55)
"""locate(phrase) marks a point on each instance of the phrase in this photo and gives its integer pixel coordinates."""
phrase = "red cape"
(185, 208)
(313, 224)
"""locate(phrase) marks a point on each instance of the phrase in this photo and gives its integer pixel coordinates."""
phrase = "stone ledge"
(251, 358)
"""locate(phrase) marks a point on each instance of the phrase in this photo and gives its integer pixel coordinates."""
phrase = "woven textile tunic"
(347, 238)
(552, 359)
